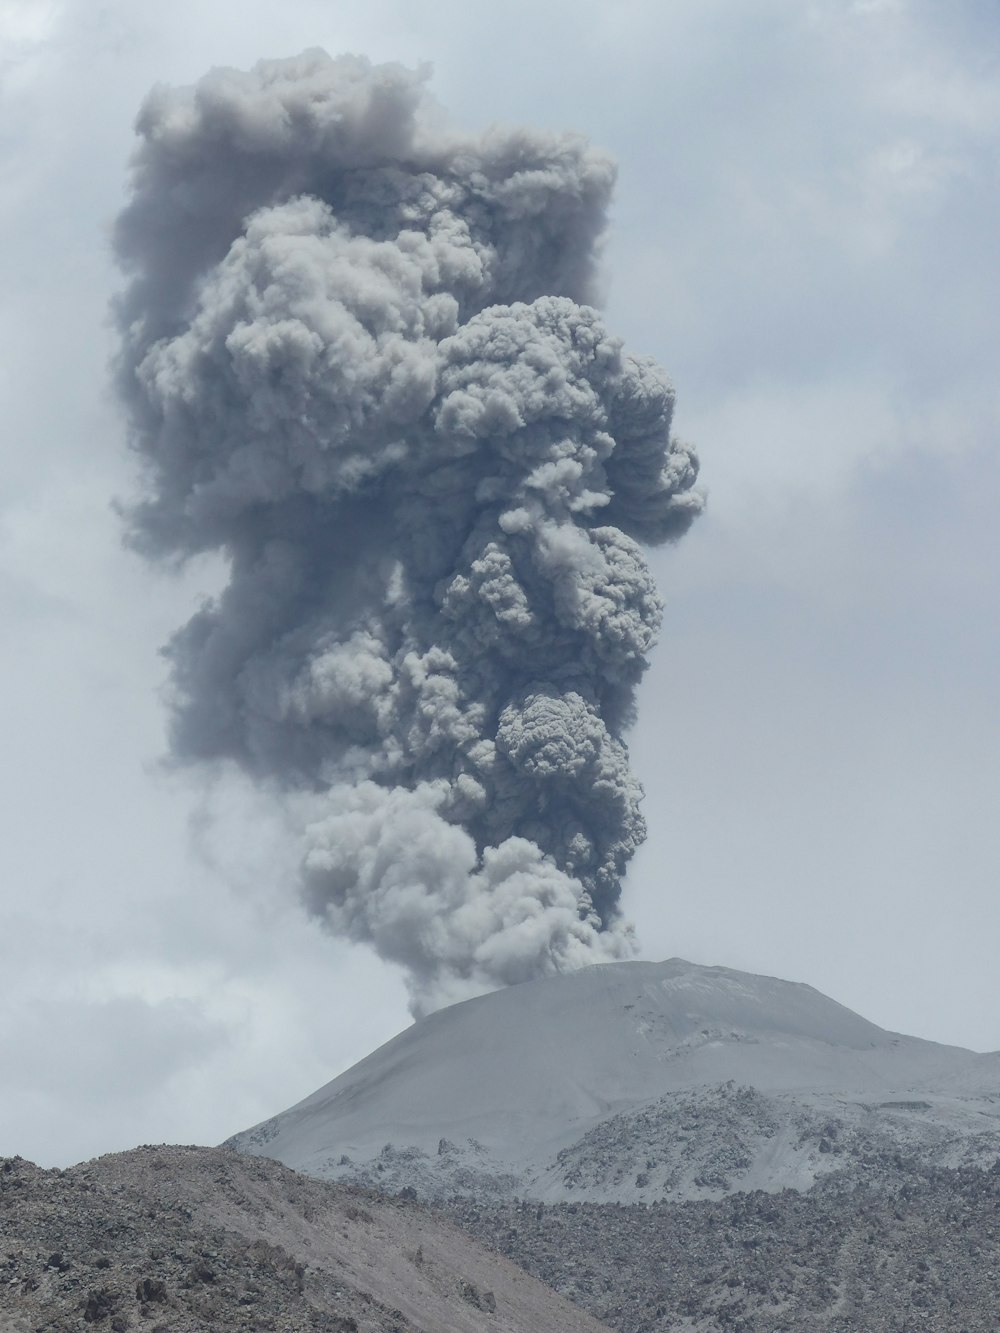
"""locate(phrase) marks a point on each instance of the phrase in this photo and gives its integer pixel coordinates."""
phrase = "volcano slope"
(676, 1147)
(185, 1240)
(639, 1082)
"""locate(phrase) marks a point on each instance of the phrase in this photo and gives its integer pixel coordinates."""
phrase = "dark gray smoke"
(357, 358)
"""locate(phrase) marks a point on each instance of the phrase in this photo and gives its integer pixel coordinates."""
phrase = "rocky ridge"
(700, 1144)
(184, 1240)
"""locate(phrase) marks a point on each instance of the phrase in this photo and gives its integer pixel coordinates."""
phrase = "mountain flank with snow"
(634, 1082)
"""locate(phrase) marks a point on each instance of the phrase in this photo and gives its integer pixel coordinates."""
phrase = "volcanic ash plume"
(357, 358)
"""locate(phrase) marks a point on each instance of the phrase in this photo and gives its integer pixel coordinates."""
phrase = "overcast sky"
(805, 236)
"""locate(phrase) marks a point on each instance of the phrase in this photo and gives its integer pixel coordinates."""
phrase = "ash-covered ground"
(890, 1249)
(185, 1240)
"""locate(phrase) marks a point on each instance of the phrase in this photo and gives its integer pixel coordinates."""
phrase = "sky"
(804, 235)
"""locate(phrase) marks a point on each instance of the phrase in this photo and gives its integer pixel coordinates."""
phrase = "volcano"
(638, 1081)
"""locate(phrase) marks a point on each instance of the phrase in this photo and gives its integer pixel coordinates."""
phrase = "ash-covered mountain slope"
(193, 1239)
(638, 1081)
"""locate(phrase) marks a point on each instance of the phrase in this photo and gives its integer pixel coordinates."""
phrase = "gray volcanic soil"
(898, 1249)
(179, 1240)
(635, 1082)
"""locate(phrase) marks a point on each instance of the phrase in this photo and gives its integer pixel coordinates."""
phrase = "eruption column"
(357, 358)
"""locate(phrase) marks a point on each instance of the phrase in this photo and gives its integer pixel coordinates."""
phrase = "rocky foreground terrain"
(900, 1249)
(179, 1240)
(173, 1240)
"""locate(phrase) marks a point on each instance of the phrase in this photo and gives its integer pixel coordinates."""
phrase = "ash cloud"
(358, 357)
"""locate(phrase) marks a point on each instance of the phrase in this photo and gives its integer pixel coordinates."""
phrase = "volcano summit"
(639, 1081)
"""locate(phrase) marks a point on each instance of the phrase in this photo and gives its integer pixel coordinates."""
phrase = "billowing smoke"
(357, 359)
